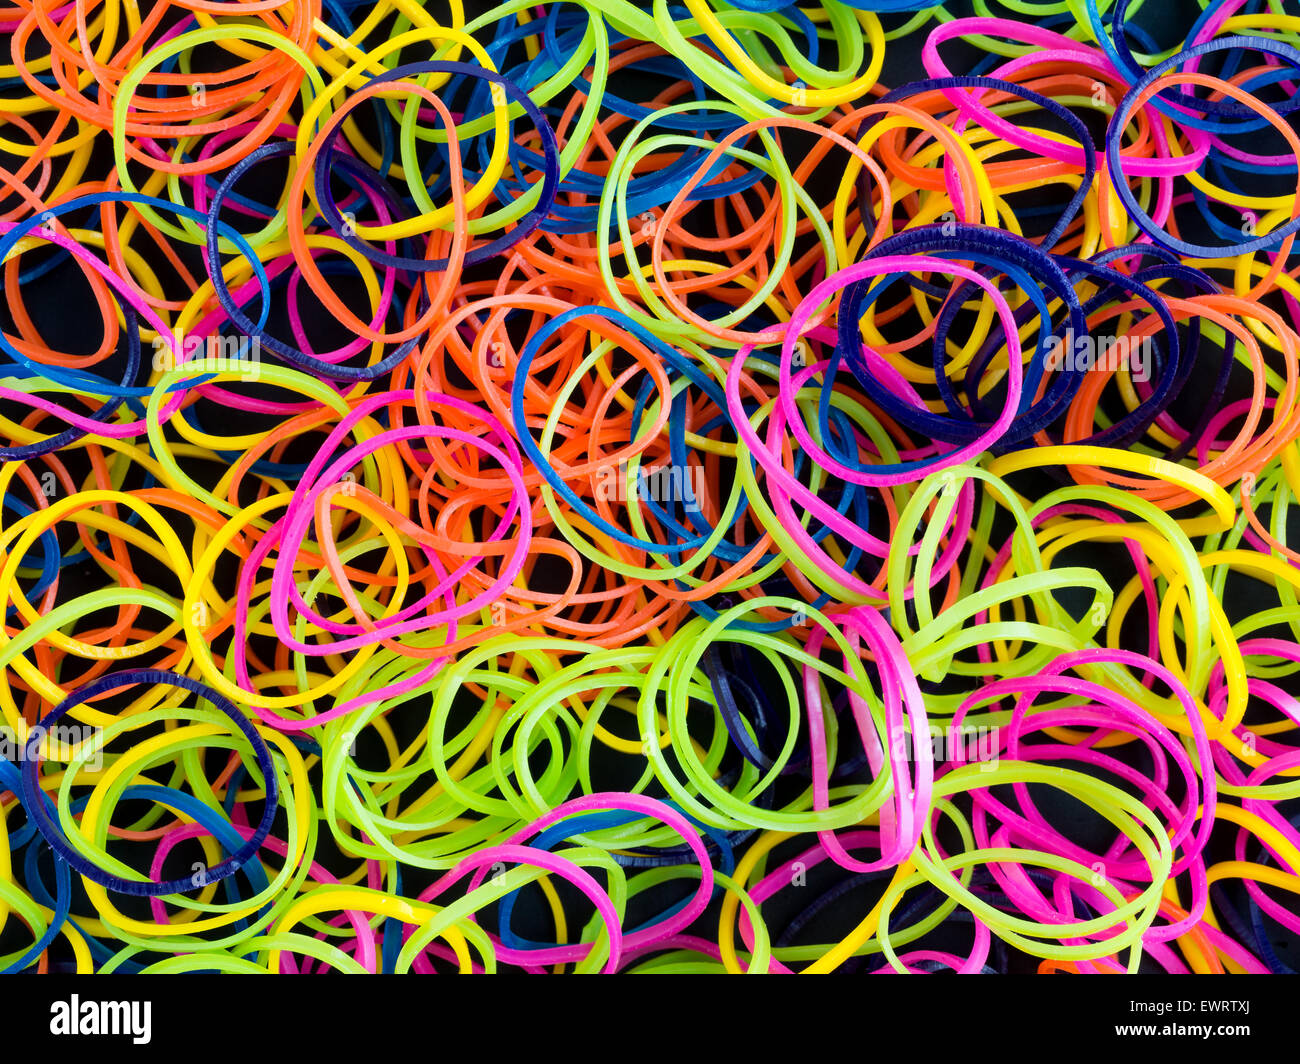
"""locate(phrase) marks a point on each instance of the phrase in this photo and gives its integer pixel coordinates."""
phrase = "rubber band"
(593, 487)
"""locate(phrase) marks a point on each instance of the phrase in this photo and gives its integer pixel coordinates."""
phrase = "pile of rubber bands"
(595, 486)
